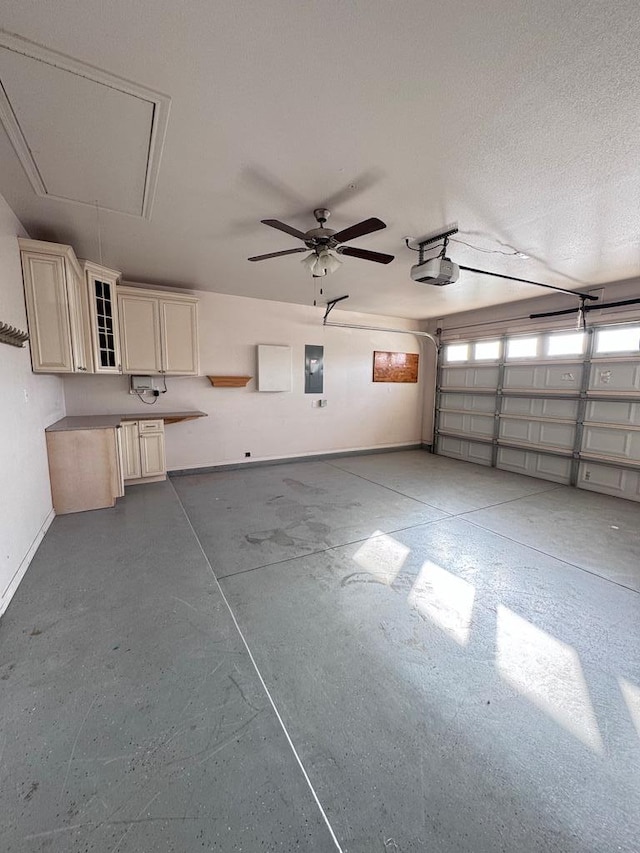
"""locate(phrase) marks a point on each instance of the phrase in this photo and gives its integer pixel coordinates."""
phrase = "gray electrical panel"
(313, 369)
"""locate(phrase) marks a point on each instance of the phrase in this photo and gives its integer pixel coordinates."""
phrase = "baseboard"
(311, 457)
(14, 583)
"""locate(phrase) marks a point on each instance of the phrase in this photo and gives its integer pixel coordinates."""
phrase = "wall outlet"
(247, 453)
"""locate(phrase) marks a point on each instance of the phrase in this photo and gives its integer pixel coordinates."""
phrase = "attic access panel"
(82, 135)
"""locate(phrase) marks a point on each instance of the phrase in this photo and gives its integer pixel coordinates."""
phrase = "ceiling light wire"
(515, 253)
(99, 232)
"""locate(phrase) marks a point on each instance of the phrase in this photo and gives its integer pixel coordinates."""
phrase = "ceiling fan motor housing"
(320, 238)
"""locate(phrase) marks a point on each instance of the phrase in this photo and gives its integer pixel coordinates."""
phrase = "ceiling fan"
(323, 241)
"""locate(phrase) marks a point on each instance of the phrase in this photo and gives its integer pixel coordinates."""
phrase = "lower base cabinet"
(143, 459)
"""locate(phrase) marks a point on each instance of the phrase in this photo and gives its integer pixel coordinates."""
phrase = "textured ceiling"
(518, 120)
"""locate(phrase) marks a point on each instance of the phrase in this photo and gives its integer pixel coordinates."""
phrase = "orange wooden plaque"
(395, 366)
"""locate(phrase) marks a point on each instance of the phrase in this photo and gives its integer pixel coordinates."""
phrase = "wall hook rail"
(12, 336)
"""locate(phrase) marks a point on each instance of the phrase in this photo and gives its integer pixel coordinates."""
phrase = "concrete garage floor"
(453, 653)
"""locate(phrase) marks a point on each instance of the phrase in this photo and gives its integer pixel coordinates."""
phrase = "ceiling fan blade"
(359, 230)
(365, 254)
(278, 254)
(282, 226)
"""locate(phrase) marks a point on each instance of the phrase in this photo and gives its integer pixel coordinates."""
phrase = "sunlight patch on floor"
(548, 673)
(445, 599)
(631, 694)
(382, 556)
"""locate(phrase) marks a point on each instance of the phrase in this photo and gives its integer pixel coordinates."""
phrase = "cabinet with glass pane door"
(101, 284)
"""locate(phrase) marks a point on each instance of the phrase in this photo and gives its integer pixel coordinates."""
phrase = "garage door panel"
(542, 408)
(470, 377)
(553, 468)
(620, 377)
(543, 377)
(468, 402)
(611, 441)
(603, 412)
(515, 430)
(557, 435)
(467, 451)
(469, 424)
(539, 433)
(612, 481)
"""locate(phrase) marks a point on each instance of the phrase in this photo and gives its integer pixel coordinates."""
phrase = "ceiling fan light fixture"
(310, 261)
(321, 263)
(319, 269)
(330, 262)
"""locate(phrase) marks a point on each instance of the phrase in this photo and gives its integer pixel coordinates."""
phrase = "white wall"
(360, 414)
(30, 402)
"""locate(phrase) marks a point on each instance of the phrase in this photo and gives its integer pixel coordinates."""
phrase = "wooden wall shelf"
(229, 381)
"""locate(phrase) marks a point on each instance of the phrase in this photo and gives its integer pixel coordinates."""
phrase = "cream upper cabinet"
(101, 284)
(57, 308)
(79, 315)
(179, 336)
(158, 332)
(139, 332)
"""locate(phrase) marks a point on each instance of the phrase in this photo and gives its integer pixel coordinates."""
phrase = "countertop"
(113, 420)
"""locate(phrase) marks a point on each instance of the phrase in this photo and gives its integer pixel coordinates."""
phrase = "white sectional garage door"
(562, 406)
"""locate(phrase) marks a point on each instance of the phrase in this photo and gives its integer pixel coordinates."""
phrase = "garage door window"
(457, 352)
(522, 347)
(620, 339)
(569, 343)
(486, 351)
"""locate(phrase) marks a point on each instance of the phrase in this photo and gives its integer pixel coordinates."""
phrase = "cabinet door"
(139, 333)
(130, 450)
(105, 333)
(179, 327)
(79, 319)
(152, 454)
(48, 312)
